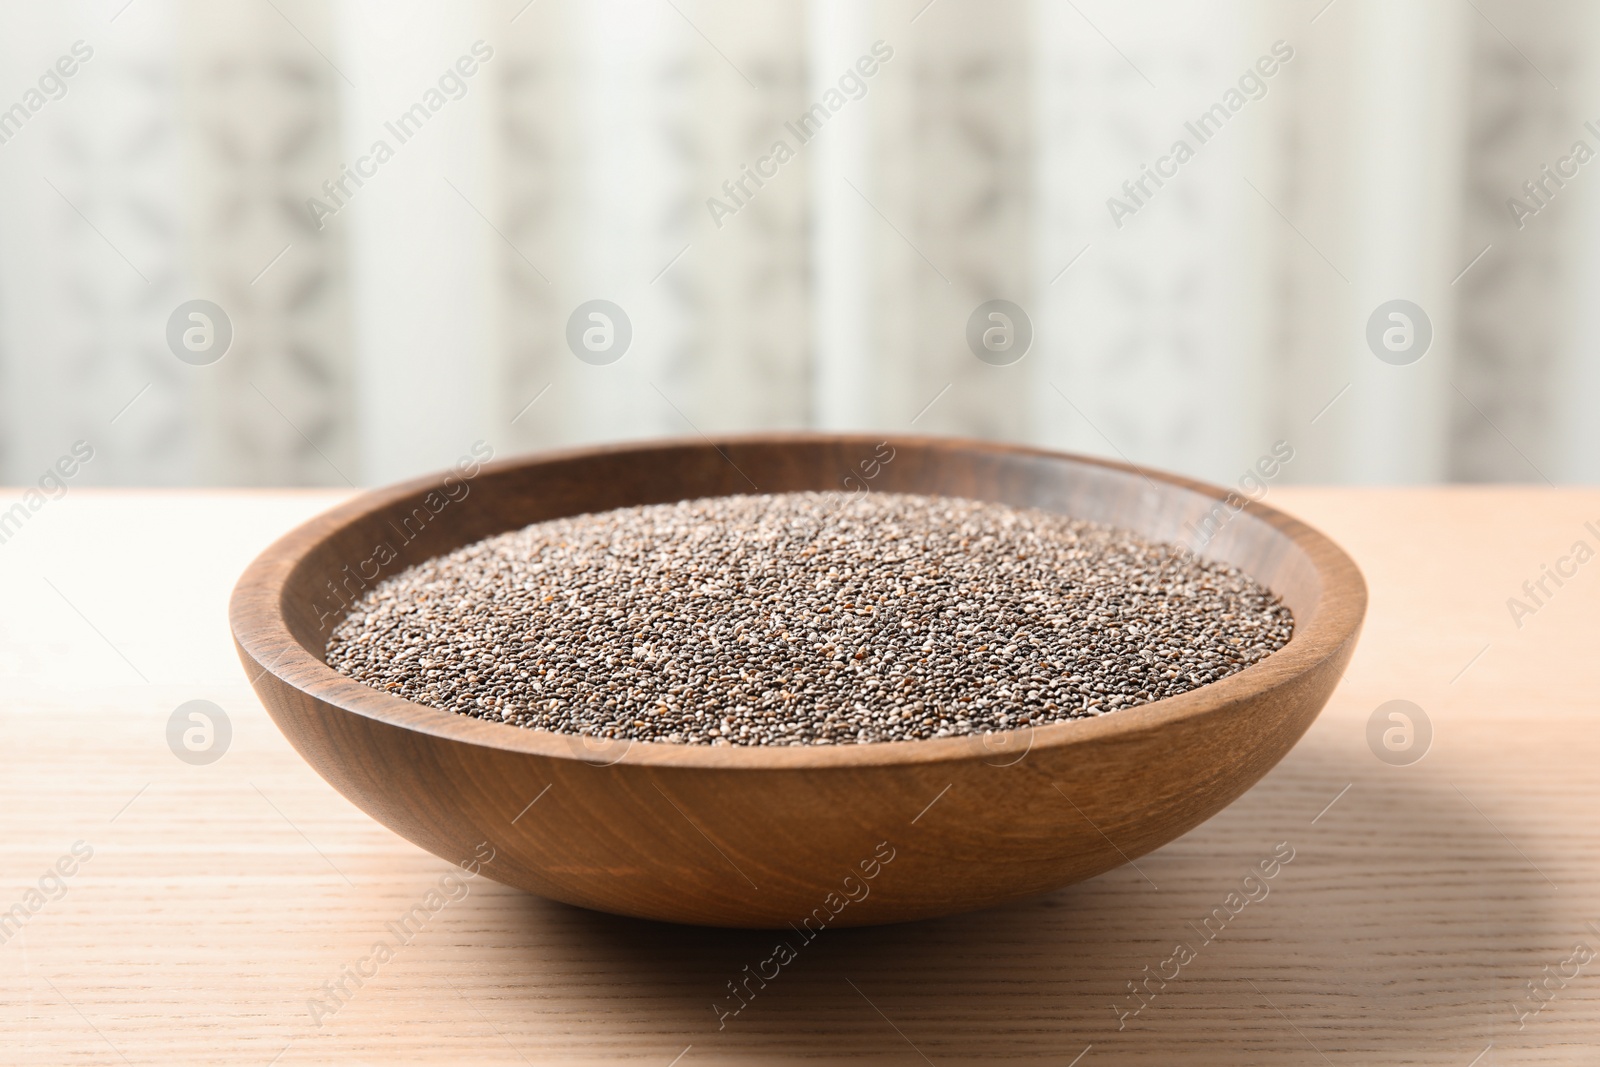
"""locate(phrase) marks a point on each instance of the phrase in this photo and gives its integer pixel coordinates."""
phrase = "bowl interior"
(326, 565)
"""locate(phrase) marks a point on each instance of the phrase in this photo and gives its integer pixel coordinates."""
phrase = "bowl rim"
(267, 645)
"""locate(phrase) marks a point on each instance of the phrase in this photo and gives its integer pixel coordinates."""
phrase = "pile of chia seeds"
(804, 618)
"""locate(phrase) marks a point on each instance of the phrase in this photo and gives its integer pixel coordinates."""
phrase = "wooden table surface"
(1423, 907)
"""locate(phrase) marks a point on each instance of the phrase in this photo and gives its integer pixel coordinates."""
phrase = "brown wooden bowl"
(806, 836)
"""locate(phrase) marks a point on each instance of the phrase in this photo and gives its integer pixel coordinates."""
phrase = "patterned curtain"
(406, 216)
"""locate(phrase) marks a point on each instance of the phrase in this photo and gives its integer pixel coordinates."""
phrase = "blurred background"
(370, 312)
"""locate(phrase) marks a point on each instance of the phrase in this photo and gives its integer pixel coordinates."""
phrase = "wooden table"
(1421, 901)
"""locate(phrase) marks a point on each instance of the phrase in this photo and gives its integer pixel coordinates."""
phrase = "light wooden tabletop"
(1441, 912)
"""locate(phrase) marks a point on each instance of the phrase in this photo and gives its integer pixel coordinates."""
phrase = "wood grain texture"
(222, 897)
(799, 837)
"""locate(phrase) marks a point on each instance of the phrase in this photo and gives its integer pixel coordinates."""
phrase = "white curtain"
(623, 150)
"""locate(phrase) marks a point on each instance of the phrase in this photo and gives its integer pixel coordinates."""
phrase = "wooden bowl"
(808, 836)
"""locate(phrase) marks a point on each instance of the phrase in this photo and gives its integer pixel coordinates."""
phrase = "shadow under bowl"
(807, 835)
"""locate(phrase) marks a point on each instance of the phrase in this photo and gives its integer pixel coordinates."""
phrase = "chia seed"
(793, 618)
